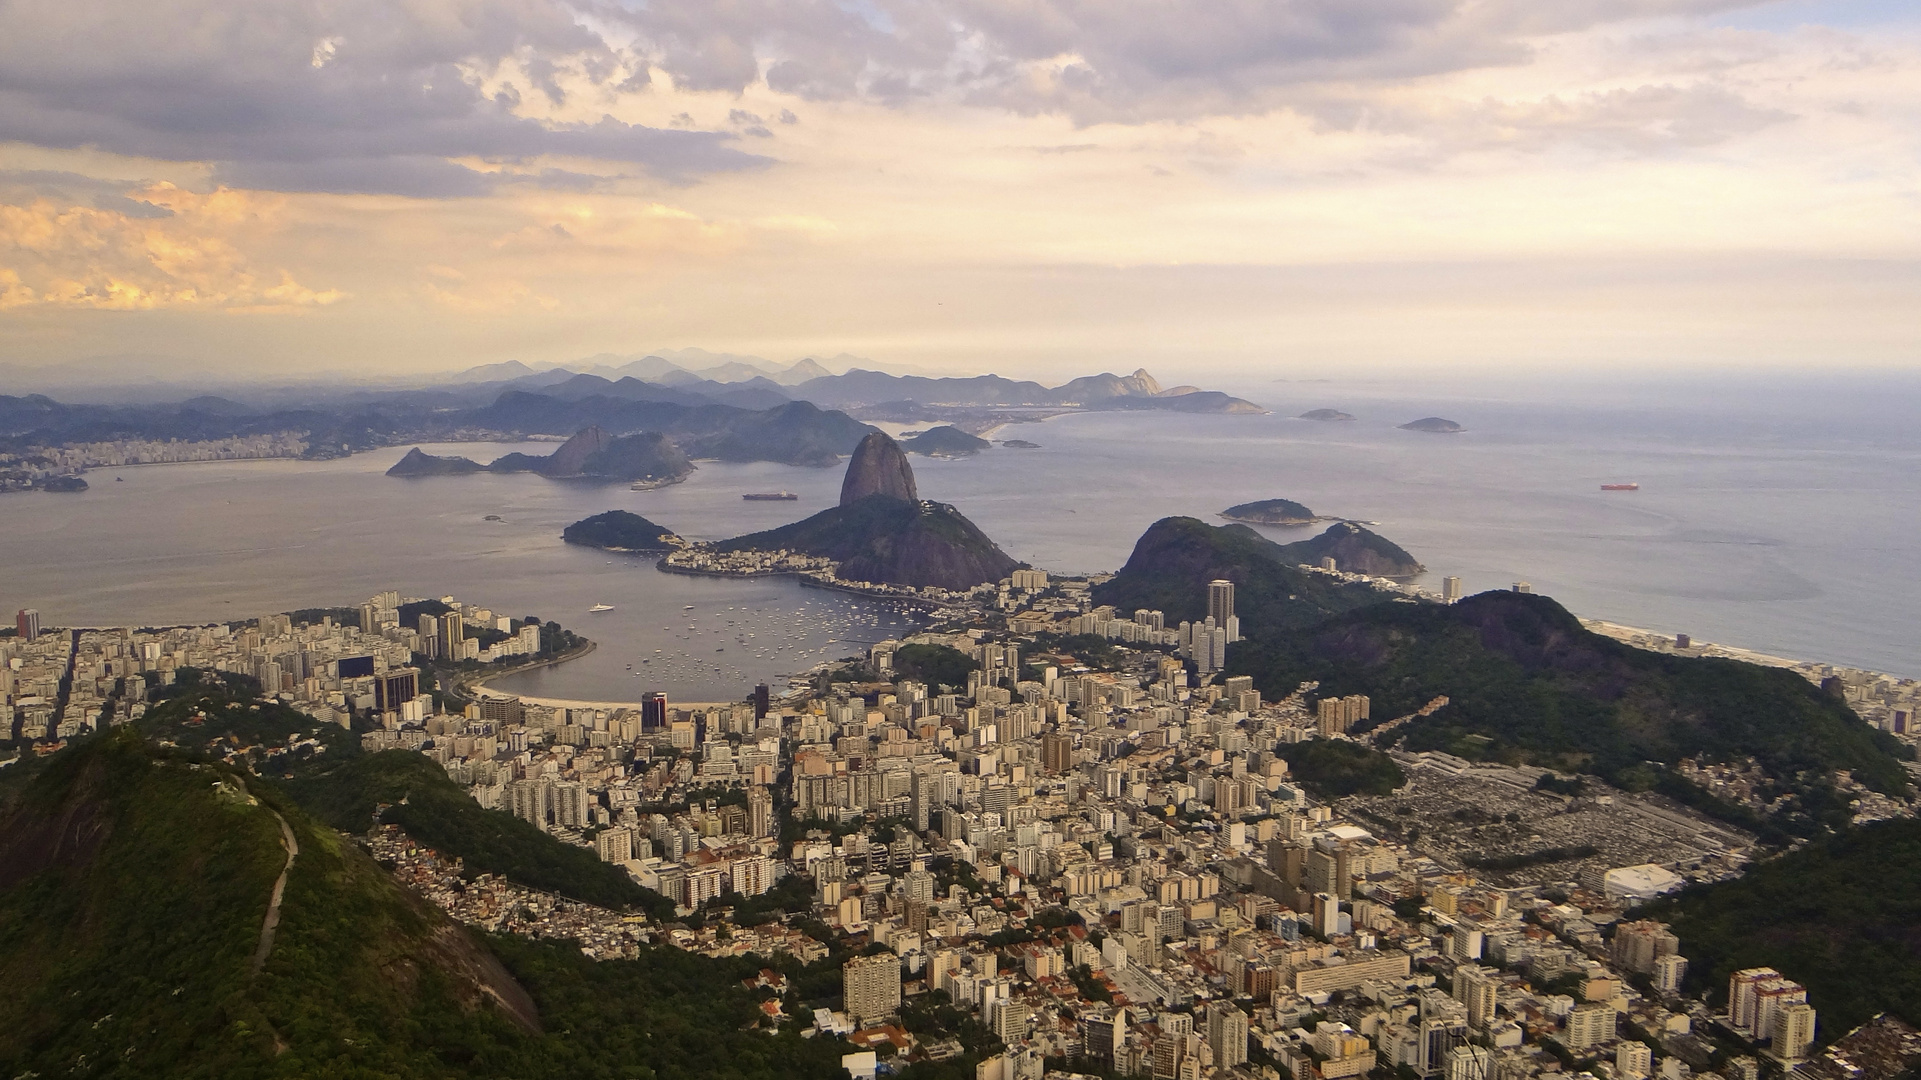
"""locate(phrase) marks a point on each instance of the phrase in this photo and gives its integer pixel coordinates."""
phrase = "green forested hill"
(133, 886)
(134, 880)
(1176, 557)
(1527, 682)
(1842, 916)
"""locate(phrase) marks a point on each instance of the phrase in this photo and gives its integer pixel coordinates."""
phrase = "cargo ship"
(1620, 487)
(770, 496)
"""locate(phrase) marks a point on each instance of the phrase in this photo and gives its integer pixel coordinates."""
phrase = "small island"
(945, 441)
(1271, 512)
(1021, 444)
(64, 483)
(618, 530)
(1435, 425)
(418, 463)
(1325, 415)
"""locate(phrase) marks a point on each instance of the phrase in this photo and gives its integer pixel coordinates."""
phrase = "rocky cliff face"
(882, 532)
(879, 467)
(573, 454)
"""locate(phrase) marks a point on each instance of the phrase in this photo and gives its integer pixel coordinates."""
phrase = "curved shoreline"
(806, 580)
(472, 687)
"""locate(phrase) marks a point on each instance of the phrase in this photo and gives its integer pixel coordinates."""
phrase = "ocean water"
(1782, 517)
(173, 544)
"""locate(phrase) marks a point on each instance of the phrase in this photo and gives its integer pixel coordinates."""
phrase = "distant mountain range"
(732, 410)
(737, 381)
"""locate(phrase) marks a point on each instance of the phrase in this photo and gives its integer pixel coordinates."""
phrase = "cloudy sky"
(1031, 186)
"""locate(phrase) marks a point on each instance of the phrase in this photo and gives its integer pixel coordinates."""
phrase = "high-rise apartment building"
(1450, 590)
(27, 624)
(653, 712)
(1227, 1034)
(1474, 989)
(453, 636)
(614, 845)
(1008, 1019)
(1103, 1034)
(871, 987)
(1220, 608)
(1469, 1062)
(395, 687)
(1633, 1060)
(1741, 994)
(1588, 1024)
(1057, 753)
(1669, 971)
(760, 812)
(1793, 1031)
(1637, 945)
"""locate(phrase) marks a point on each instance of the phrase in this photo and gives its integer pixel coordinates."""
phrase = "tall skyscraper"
(1450, 589)
(760, 812)
(453, 636)
(761, 703)
(27, 624)
(653, 711)
(1220, 607)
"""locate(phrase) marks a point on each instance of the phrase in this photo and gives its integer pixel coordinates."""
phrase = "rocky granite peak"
(573, 453)
(879, 467)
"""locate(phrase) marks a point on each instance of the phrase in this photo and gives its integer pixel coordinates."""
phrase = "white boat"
(600, 607)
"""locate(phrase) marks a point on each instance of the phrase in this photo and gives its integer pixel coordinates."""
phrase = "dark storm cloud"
(319, 95)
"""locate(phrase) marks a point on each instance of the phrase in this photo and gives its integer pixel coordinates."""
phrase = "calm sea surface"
(1781, 518)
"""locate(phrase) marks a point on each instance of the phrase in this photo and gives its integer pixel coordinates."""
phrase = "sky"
(1288, 188)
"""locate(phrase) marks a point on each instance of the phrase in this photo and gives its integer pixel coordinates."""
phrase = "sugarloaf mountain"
(883, 532)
